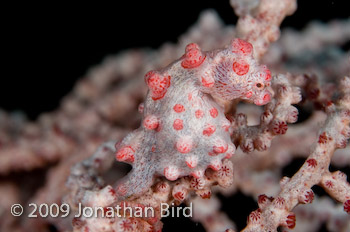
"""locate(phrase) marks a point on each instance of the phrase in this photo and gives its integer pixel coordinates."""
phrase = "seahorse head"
(236, 74)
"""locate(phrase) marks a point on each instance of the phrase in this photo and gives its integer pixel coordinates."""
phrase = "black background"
(46, 48)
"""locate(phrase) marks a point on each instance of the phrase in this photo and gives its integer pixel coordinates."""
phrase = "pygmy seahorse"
(184, 129)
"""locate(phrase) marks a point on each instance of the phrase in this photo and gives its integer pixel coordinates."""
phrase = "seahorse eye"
(259, 85)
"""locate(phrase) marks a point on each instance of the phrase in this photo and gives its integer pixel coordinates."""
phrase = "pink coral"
(195, 130)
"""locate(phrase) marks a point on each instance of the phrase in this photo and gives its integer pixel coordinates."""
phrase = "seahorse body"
(184, 130)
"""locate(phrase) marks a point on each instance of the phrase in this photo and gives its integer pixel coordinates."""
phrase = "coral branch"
(314, 170)
(274, 119)
(259, 21)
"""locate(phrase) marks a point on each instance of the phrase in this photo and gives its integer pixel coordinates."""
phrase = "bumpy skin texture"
(184, 130)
